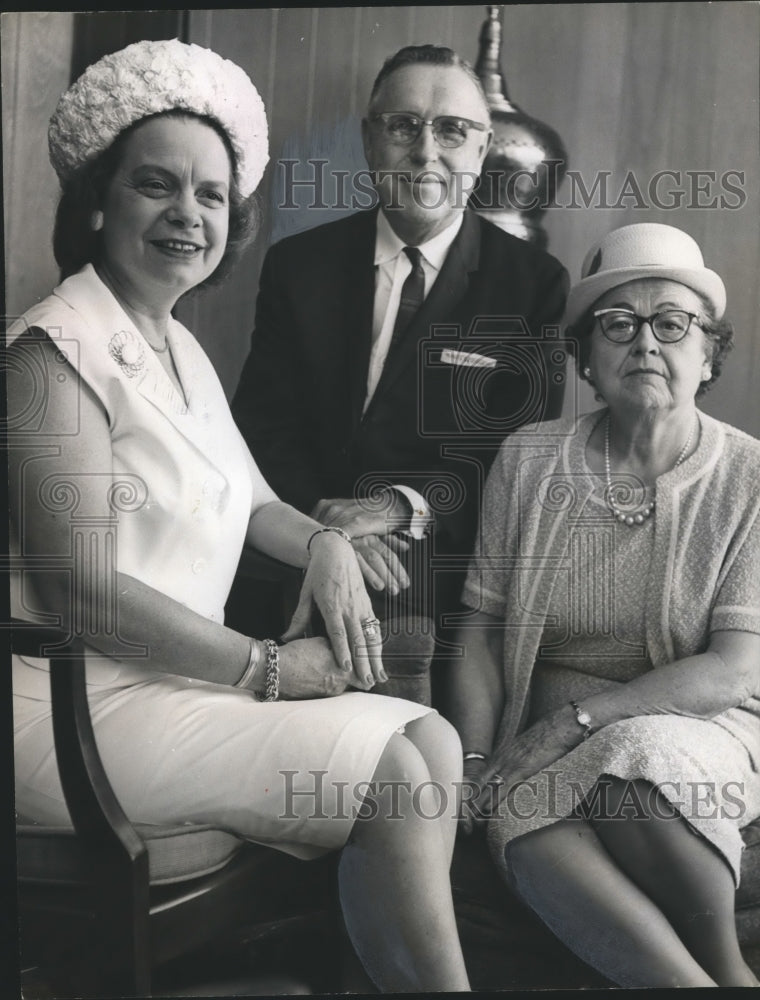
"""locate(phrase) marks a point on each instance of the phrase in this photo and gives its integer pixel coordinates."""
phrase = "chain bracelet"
(272, 687)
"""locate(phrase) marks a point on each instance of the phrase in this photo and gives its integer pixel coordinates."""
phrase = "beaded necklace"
(641, 515)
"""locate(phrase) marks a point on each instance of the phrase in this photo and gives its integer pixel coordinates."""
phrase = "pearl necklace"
(159, 350)
(640, 516)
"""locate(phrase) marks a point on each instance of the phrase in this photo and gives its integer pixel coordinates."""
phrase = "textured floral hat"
(644, 250)
(147, 78)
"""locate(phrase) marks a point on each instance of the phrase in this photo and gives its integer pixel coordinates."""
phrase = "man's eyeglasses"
(621, 326)
(448, 130)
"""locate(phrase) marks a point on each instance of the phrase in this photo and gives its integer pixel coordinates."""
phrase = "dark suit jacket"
(432, 425)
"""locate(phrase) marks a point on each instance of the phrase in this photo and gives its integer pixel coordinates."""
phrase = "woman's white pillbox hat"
(146, 78)
(644, 250)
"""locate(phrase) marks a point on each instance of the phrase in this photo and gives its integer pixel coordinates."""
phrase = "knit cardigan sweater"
(705, 569)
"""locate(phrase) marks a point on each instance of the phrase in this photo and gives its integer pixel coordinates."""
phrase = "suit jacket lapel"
(359, 307)
(450, 287)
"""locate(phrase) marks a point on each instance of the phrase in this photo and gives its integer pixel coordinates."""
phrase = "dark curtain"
(98, 33)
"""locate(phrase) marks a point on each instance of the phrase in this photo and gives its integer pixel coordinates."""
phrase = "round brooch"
(127, 351)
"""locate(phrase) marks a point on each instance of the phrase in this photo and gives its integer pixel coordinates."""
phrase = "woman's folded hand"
(540, 746)
(308, 669)
(333, 581)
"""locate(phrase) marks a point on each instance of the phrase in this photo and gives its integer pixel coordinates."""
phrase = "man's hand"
(380, 566)
(359, 517)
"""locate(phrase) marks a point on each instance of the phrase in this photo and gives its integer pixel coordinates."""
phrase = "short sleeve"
(262, 491)
(737, 602)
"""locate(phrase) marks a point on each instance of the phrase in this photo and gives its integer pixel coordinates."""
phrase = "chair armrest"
(94, 809)
(407, 654)
(408, 648)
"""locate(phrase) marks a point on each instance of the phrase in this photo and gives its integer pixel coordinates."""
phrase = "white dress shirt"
(392, 267)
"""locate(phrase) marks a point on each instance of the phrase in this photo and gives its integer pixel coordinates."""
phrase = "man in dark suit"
(381, 380)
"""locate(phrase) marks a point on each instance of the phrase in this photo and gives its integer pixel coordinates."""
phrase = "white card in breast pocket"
(467, 359)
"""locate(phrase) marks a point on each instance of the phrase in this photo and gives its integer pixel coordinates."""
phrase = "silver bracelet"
(473, 755)
(254, 658)
(272, 687)
(338, 531)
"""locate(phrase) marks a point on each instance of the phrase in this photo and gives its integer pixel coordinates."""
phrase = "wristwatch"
(583, 719)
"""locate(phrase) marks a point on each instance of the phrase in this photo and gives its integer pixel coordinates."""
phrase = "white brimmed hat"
(644, 250)
(149, 77)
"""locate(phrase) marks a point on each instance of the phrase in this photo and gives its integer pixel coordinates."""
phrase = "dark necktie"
(412, 294)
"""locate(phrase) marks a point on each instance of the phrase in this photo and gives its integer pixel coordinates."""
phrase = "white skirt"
(290, 774)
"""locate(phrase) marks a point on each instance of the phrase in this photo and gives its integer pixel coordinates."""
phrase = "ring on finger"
(370, 627)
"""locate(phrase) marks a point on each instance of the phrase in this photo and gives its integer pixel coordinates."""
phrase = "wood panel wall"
(36, 67)
(633, 88)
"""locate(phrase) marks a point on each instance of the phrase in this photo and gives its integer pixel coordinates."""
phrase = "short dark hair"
(720, 333)
(426, 55)
(76, 244)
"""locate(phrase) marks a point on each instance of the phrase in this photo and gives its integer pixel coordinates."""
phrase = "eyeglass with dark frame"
(404, 128)
(621, 326)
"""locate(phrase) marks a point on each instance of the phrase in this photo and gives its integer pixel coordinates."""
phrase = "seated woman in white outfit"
(132, 476)
(612, 682)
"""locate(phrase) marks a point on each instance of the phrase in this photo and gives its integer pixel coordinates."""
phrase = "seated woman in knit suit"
(608, 705)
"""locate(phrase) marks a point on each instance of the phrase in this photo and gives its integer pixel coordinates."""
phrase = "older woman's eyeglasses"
(403, 128)
(621, 326)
